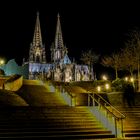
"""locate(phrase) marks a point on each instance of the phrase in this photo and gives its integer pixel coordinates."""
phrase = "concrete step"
(54, 120)
(48, 132)
(131, 123)
(52, 127)
(62, 137)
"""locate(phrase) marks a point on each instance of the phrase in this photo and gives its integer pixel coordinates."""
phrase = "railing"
(66, 92)
(107, 114)
(69, 96)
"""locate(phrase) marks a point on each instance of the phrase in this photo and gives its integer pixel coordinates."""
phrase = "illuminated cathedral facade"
(61, 68)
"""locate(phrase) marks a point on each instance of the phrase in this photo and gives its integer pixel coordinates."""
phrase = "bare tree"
(132, 50)
(89, 58)
(113, 61)
(133, 43)
(129, 60)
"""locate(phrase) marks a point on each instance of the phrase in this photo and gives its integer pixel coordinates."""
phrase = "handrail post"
(122, 127)
(73, 101)
(99, 103)
(116, 133)
(93, 102)
(89, 99)
(103, 106)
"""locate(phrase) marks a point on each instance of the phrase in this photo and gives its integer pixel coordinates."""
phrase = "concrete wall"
(13, 83)
(2, 80)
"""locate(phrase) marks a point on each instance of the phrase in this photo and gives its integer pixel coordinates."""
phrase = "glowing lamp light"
(126, 78)
(131, 79)
(1, 62)
(107, 86)
(98, 88)
(104, 77)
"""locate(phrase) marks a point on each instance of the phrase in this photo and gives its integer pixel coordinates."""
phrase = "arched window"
(37, 58)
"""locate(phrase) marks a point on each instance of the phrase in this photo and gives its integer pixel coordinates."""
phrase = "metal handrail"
(69, 91)
(104, 104)
(63, 87)
(112, 107)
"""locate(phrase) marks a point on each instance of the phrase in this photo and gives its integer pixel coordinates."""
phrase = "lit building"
(61, 68)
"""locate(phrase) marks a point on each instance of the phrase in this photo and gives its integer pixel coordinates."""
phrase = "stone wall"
(2, 80)
(14, 83)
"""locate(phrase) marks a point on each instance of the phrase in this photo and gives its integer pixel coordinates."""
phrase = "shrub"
(118, 85)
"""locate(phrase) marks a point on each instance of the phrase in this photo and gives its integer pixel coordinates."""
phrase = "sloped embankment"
(9, 98)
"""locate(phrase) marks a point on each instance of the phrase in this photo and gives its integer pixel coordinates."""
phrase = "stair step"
(132, 131)
(55, 132)
(53, 127)
(132, 134)
(131, 123)
(78, 136)
(54, 120)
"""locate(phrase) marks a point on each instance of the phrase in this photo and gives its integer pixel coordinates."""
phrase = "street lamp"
(107, 86)
(131, 79)
(126, 78)
(104, 77)
(98, 88)
(1, 61)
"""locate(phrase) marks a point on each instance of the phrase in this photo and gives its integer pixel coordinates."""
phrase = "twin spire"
(58, 35)
(58, 51)
(37, 39)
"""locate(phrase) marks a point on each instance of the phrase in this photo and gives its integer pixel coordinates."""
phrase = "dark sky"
(100, 25)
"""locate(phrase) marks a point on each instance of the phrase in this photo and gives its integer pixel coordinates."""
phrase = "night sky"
(100, 26)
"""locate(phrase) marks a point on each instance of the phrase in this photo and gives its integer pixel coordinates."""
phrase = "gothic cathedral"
(61, 68)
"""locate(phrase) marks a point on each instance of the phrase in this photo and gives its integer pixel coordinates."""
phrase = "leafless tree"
(89, 58)
(132, 51)
(113, 61)
(129, 61)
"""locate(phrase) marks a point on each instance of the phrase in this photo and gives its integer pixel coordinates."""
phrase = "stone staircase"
(55, 120)
(132, 120)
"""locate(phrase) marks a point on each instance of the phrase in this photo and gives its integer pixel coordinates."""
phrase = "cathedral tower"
(37, 49)
(58, 50)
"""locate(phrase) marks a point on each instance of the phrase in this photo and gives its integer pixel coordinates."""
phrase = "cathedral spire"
(37, 49)
(58, 50)
(58, 35)
(37, 39)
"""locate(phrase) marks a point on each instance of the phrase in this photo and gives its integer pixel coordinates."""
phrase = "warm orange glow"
(107, 86)
(1, 62)
(98, 88)
(131, 79)
(104, 77)
(126, 78)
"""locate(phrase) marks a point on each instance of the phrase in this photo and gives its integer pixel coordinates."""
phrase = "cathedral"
(61, 68)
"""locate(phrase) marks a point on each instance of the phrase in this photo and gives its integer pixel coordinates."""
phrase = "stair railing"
(64, 89)
(67, 94)
(107, 114)
(72, 97)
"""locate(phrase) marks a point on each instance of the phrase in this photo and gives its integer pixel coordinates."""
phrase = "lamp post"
(126, 78)
(104, 77)
(1, 61)
(98, 88)
(107, 86)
